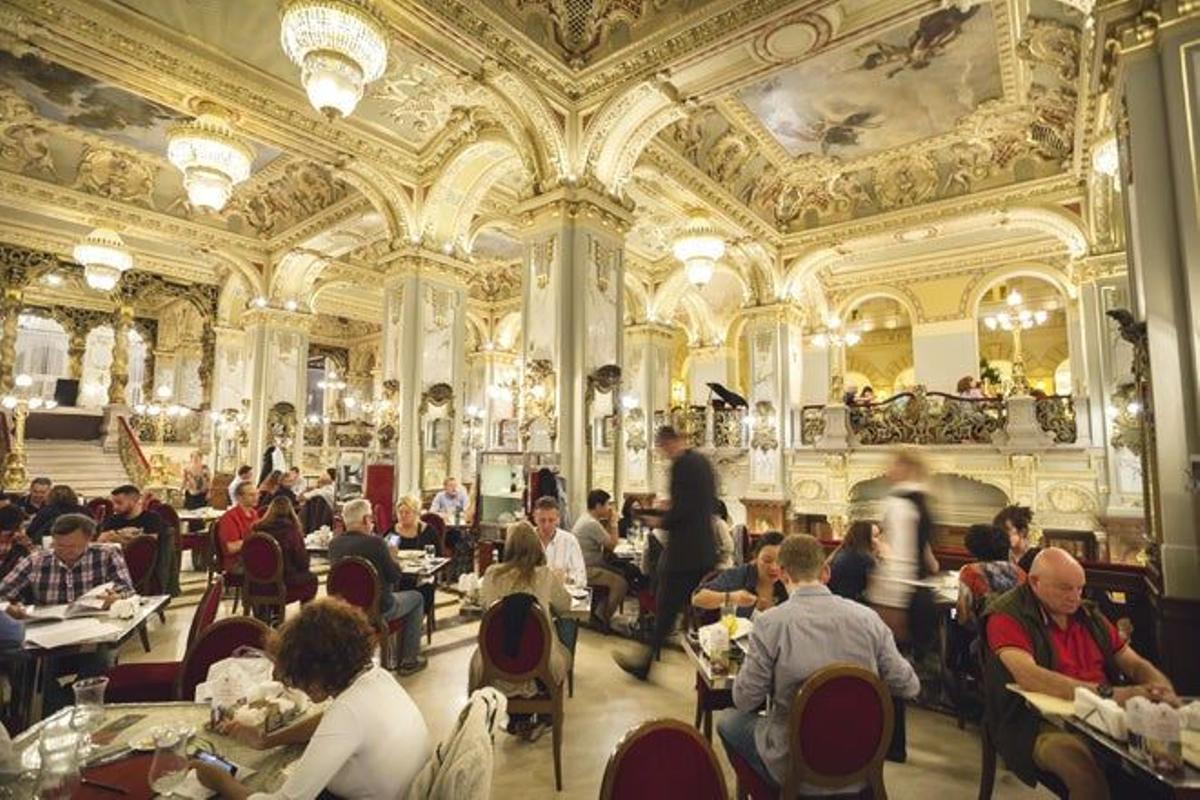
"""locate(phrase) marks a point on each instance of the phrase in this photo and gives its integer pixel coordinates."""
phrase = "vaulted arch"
(543, 127)
(622, 128)
(387, 196)
(461, 185)
(676, 287)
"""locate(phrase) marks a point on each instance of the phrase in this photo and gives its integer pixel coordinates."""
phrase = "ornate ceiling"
(832, 141)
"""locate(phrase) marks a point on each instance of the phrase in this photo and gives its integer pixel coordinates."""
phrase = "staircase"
(82, 465)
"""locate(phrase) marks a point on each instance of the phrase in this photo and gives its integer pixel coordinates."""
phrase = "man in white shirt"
(243, 475)
(325, 490)
(563, 554)
(299, 485)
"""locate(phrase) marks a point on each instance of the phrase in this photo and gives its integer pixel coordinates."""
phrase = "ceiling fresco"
(911, 83)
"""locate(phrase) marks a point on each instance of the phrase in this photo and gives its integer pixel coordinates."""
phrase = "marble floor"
(943, 762)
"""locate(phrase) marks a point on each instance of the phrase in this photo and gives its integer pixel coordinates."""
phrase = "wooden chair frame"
(632, 737)
(800, 772)
(216, 563)
(143, 586)
(552, 703)
(187, 656)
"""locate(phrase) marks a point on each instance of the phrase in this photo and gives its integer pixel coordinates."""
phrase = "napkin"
(124, 608)
(1191, 715)
(1101, 713)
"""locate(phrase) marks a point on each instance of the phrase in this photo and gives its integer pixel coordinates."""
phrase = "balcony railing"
(812, 424)
(921, 417)
(1056, 416)
(729, 428)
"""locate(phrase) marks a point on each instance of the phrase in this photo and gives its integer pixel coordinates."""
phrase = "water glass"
(58, 748)
(430, 552)
(169, 767)
(88, 712)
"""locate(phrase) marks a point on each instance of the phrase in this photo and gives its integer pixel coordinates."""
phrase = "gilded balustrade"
(921, 417)
(1056, 416)
(729, 430)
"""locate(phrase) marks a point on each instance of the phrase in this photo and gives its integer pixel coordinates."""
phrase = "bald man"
(1045, 637)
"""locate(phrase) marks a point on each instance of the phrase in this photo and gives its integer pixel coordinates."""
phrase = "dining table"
(46, 640)
(119, 763)
(714, 683)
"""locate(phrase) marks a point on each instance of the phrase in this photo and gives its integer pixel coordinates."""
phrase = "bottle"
(495, 556)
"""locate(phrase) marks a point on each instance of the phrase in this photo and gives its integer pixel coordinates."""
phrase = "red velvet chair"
(355, 580)
(383, 517)
(99, 508)
(220, 640)
(141, 553)
(663, 758)
(216, 566)
(839, 730)
(438, 524)
(532, 662)
(154, 681)
(264, 589)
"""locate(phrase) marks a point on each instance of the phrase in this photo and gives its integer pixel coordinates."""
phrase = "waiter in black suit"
(691, 551)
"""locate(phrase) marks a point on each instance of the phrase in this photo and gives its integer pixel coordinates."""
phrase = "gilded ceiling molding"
(1101, 267)
(1052, 190)
(545, 129)
(572, 202)
(300, 321)
(905, 298)
(84, 209)
(714, 195)
(347, 209)
(387, 196)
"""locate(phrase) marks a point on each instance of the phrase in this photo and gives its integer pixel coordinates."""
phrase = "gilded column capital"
(786, 313)
(651, 330)
(409, 261)
(574, 202)
(278, 318)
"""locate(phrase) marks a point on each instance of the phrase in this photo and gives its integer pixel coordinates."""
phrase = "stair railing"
(137, 466)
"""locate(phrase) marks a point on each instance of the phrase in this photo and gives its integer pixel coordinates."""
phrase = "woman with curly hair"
(370, 742)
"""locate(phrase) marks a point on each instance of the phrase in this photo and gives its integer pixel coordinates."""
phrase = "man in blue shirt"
(812, 630)
(450, 501)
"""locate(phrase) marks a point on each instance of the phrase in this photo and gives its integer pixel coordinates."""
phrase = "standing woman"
(751, 587)
(196, 482)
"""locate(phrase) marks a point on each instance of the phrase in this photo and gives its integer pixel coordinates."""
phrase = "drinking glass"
(88, 713)
(430, 552)
(58, 747)
(169, 767)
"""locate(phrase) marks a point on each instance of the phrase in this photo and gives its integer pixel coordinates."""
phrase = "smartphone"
(393, 539)
(214, 760)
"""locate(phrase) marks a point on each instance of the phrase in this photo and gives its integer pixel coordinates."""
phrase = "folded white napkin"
(1101, 713)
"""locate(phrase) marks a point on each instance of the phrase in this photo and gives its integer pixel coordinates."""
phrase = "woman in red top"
(281, 522)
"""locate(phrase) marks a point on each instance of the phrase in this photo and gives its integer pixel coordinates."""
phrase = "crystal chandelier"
(211, 157)
(699, 247)
(1015, 316)
(104, 258)
(1105, 158)
(339, 46)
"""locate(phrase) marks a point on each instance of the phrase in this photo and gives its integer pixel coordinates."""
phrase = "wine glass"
(169, 767)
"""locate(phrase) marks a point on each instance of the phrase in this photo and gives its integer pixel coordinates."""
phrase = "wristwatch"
(1105, 690)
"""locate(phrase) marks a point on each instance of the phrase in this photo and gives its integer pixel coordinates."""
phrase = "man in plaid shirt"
(71, 567)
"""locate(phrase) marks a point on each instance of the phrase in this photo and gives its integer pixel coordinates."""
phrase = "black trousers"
(674, 593)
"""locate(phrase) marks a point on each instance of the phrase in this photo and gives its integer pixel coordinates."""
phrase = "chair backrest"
(356, 581)
(206, 611)
(533, 654)
(483, 555)
(262, 563)
(438, 525)
(168, 514)
(316, 513)
(99, 508)
(663, 758)
(140, 554)
(383, 517)
(839, 728)
(216, 553)
(218, 641)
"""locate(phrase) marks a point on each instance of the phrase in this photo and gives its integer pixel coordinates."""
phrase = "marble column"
(10, 304)
(1159, 57)
(491, 373)
(573, 312)
(773, 334)
(647, 381)
(122, 322)
(424, 307)
(276, 352)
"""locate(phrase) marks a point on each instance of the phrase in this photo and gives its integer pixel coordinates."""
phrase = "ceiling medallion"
(210, 155)
(699, 247)
(104, 258)
(339, 46)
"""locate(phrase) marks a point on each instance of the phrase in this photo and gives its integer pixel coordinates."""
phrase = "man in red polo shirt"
(234, 525)
(1046, 638)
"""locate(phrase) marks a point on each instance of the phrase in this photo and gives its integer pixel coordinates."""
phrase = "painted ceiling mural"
(909, 84)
